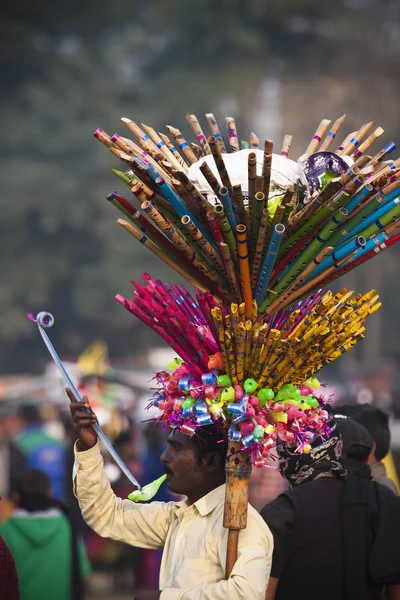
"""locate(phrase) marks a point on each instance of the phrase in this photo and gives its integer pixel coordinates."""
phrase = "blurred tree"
(69, 68)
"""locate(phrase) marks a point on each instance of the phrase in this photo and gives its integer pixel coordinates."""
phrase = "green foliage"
(71, 67)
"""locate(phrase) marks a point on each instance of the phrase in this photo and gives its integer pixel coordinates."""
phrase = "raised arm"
(141, 525)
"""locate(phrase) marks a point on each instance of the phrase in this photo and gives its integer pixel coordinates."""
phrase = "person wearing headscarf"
(318, 552)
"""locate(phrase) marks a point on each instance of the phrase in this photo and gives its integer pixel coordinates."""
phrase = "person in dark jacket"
(334, 531)
(376, 422)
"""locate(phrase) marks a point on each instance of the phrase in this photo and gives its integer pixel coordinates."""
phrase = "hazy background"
(67, 68)
(278, 67)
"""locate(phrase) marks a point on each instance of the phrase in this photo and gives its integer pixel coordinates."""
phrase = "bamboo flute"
(244, 267)
(382, 154)
(368, 142)
(252, 178)
(213, 182)
(269, 261)
(286, 298)
(318, 135)
(232, 134)
(219, 161)
(254, 141)
(144, 141)
(230, 270)
(161, 145)
(104, 138)
(238, 204)
(203, 243)
(198, 198)
(214, 227)
(182, 144)
(306, 255)
(174, 151)
(182, 244)
(198, 132)
(215, 132)
(277, 218)
(354, 142)
(267, 164)
(258, 254)
(287, 142)
(162, 255)
(326, 144)
(226, 229)
(342, 146)
(257, 214)
(197, 151)
(228, 207)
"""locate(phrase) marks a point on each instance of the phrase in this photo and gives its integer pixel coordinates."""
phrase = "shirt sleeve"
(140, 525)
(279, 515)
(250, 574)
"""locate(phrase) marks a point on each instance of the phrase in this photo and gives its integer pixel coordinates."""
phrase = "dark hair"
(29, 413)
(375, 421)
(357, 442)
(32, 483)
(209, 439)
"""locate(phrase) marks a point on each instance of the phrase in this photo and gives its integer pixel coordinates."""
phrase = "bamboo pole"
(238, 470)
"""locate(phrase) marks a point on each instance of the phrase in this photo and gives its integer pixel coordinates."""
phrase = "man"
(191, 532)
(335, 534)
(376, 422)
(50, 560)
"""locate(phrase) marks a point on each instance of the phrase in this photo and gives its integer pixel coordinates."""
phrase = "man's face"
(180, 463)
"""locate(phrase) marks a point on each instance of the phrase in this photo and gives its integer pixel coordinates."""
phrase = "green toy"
(148, 491)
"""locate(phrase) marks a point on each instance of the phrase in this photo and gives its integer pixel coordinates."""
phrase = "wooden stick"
(353, 142)
(332, 134)
(182, 144)
(238, 204)
(215, 131)
(213, 182)
(287, 142)
(198, 132)
(219, 161)
(254, 141)
(232, 134)
(252, 180)
(174, 151)
(238, 470)
(368, 142)
(161, 254)
(153, 135)
(268, 150)
(318, 135)
(197, 150)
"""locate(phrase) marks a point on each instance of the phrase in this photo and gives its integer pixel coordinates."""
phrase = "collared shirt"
(192, 536)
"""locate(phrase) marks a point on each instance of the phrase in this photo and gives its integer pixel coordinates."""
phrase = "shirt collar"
(206, 504)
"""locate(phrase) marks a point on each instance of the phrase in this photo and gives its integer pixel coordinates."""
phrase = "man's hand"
(148, 595)
(82, 421)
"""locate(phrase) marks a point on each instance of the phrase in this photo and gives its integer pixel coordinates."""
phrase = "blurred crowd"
(36, 463)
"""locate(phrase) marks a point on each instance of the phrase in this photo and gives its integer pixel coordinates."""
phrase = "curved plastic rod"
(45, 320)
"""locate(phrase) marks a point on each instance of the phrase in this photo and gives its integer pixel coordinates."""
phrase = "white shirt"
(193, 537)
